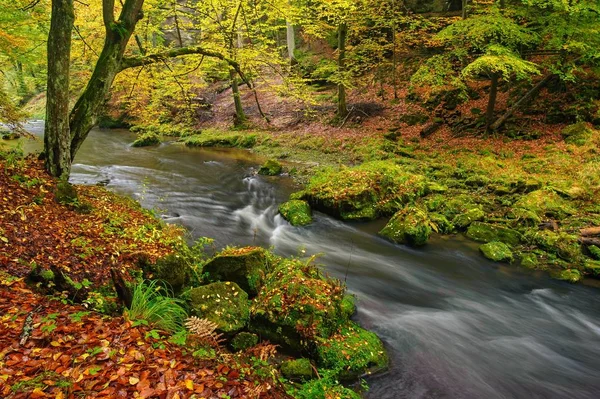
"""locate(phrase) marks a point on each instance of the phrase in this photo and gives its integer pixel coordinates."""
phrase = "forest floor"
(51, 347)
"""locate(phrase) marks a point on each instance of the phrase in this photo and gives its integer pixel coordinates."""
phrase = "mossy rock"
(365, 192)
(246, 266)
(594, 251)
(530, 261)
(172, 269)
(486, 232)
(297, 370)
(570, 275)
(564, 245)
(441, 222)
(592, 267)
(147, 139)
(352, 351)
(243, 341)
(221, 139)
(409, 226)
(524, 217)
(223, 303)
(545, 203)
(270, 168)
(497, 251)
(348, 306)
(324, 388)
(463, 220)
(578, 134)
(477, 181)
(297, 212)
(297, 297)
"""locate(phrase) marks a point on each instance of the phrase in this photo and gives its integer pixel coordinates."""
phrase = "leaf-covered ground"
(35, 230)
(74, 353)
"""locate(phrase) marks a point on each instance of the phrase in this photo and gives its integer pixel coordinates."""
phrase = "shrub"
(150, 306)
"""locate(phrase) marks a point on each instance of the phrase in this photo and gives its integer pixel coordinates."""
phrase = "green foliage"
(500, 61)
(297, 370)
(153, 305)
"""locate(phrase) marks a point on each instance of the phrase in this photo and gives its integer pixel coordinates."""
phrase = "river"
(455, 324)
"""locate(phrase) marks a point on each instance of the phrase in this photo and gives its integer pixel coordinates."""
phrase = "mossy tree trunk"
(57, 141)
(489, 115)
(240, 116)
(342, 105)
(118, 32)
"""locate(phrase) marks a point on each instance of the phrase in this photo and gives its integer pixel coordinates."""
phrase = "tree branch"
(132, 62)
(108, 14)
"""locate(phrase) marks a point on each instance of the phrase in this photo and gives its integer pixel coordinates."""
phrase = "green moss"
(364, 192)
(298, 297)
(486, 232)
(348, 306)
(172, 269)
(213, 138)
(570, 275)
(442, 223)
(529, 260)
(270, 168)
(243, 341)
(324, 388)
(245, 266)
(224, 303)
(497, 251)
(65, 193)
(47, 275)
(594, 251)
(592, 267)
(147, 139)
(352, 351)
(297, 212)
(545, 203)
(297, 370)
(564, 245)
(463, 220)
(409, 226)
(578, 134)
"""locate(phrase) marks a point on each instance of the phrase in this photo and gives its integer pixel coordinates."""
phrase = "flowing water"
(456, 325)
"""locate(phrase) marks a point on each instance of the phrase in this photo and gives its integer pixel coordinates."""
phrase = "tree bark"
(123, 291)
(342, 34)
(498, 124)
(240, 116)
(57, 140)
(290, 41)
(590, 241)
(590, 231)
(84, 113)
(464, 9)
(489, 115)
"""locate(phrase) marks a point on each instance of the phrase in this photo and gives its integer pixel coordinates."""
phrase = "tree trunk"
(342, 34)
(291, 41)
(489, 115)
(84, 113)
(56, 131)
(240, 117)
(464, 9)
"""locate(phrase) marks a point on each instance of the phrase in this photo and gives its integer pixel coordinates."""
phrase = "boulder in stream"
(487, 232)
(409, 226)
(497, 251)
(297, 212)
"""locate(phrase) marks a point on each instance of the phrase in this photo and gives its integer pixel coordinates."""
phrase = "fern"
(204, 331)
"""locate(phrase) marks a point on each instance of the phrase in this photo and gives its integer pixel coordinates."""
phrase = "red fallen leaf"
(234, 374)
(147, 392)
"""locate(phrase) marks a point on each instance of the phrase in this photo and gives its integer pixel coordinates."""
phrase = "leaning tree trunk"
(56, 131)
(240, 116)
(489, 115)
(342, 34)
(85, 111)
